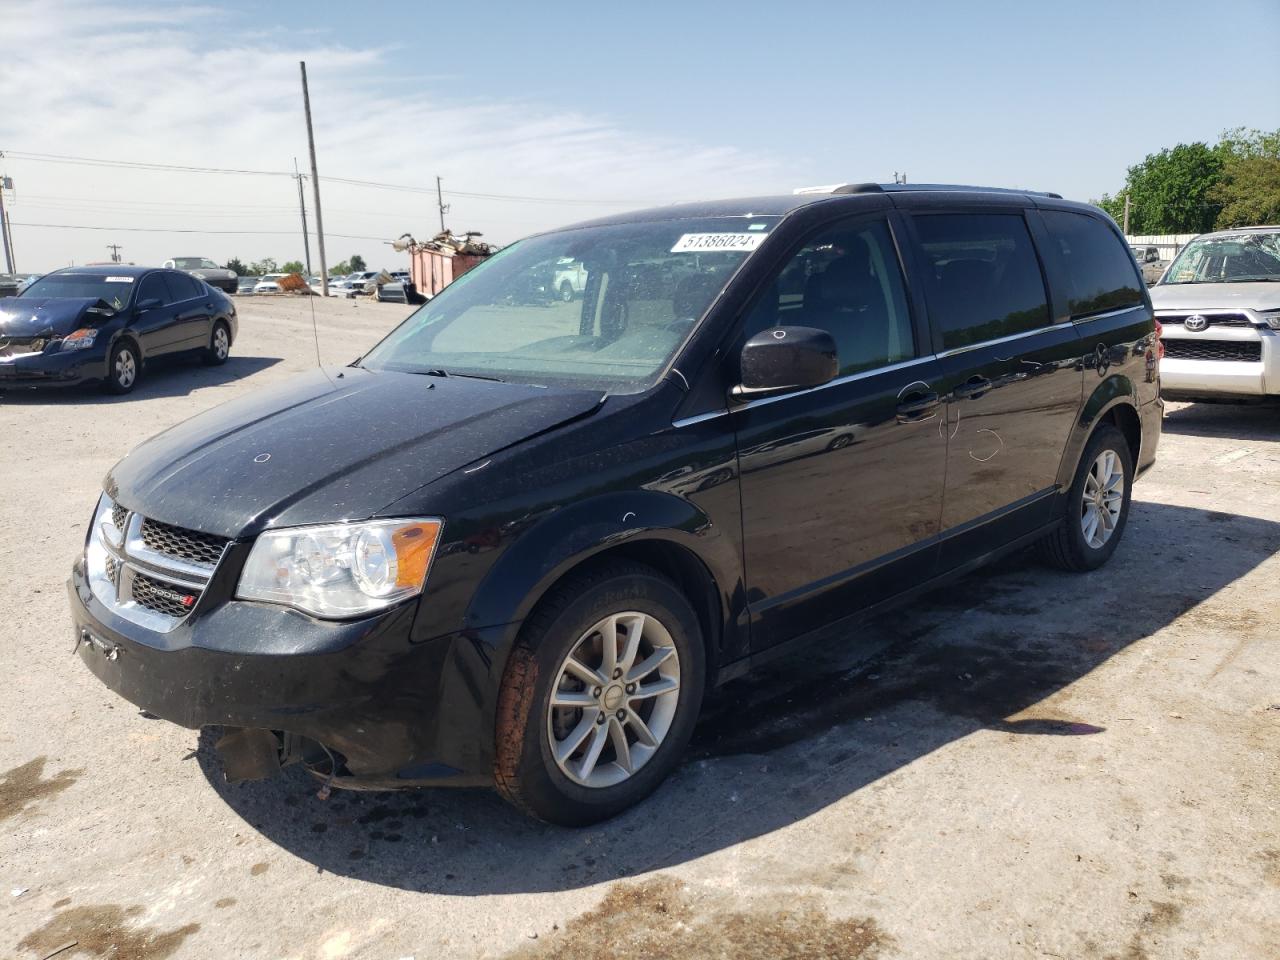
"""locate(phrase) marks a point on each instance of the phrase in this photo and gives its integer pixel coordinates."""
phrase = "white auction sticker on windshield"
(119, 279)
(718, 242)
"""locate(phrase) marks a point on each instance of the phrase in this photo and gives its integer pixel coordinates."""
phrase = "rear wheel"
(599, 697)
(1097, 506)
(219, 345)
(566, 291)
(123, 368)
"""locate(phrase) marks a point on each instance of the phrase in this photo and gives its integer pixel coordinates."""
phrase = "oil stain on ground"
(107, 931)
(661, 919)
(25, 785)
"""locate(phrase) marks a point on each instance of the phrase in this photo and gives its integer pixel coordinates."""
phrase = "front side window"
(845, 280)
(1100, 275)
(987, 278)
(154, 288)
(636, 293)
(1227, 258)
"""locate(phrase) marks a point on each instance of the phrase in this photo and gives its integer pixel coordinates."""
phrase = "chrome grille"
(189, 545)
(168, 599)
(1186, 349)
(1215, 319)
(156, 573)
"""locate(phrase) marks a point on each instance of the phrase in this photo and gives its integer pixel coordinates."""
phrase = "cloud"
(177, 84)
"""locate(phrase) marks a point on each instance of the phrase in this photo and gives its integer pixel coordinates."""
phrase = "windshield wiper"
(442, 372)
(1251, 280)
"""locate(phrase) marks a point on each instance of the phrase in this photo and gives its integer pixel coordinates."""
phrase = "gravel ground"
(1030, 764)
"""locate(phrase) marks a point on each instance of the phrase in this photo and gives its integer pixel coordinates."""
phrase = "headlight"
(81, 339)
(343, 569)
(1272, 317)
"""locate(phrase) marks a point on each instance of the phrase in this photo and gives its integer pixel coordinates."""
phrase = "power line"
(350, 181)
(263, 233)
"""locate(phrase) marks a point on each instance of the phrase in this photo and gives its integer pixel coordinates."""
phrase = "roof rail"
(843, 188)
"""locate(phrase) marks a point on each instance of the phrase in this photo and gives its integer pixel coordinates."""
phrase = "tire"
(529, 729)
(566, 292)
(1068, 547)
(124, 369)
(215, 355)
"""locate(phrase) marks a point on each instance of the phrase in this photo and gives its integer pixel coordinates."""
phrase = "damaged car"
(106, 323)
(517, 542)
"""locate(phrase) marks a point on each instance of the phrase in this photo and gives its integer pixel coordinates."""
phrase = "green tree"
(1249, 189)
(236, 267)
(340, 269)
(357, 263)
(264, 266)
(293, 266)
(1170, 191)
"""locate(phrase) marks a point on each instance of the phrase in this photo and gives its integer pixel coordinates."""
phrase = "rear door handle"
(915, 407)
(972, 388)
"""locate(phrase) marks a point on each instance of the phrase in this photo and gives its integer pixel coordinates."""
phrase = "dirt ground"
(1027, 764)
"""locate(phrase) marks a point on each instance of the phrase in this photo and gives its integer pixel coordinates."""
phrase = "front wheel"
(566, 291)
(1097, 506)
(123, 368)
(599, 696)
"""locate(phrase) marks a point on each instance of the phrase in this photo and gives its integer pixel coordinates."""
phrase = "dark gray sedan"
(206, 270)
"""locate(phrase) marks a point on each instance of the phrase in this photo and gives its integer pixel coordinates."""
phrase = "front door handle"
(972, 388)
(917, 406)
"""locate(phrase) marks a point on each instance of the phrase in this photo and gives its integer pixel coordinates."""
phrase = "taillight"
(1159, 340)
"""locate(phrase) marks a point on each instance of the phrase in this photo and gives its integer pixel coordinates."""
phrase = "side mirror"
(149, 304)
(786, 358)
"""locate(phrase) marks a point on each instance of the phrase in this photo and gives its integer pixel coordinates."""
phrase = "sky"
(540, 115)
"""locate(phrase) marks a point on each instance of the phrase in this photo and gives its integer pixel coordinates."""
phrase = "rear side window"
(987, 278)
(1098, 269)
(153, 288)
(183, 286)
(845, 280)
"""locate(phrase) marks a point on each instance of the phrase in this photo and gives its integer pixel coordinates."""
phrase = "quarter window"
(987, 278)
(847, 281)
(1100, 274)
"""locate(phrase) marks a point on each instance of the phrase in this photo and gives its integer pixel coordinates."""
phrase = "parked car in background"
(269, 283)
(1219, 304)
(106, 323)
(358, 284)
(570, 278)
(516, 546)
(1149, 261)
(245, 285)
(208, 271)
(11, 284)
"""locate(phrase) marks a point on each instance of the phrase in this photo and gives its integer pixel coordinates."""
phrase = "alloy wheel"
(614, 699)
(221, 344)
(1102, 499)
(126, 369)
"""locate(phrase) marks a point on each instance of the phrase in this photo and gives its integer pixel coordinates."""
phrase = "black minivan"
(518, 540)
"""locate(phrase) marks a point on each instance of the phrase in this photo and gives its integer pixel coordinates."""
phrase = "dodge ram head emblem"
(1195, 323)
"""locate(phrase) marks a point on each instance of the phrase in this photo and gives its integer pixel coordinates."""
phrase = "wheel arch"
(1113, 401)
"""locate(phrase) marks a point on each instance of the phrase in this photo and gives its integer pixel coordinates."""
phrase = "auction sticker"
(119, 279)
(718, 242)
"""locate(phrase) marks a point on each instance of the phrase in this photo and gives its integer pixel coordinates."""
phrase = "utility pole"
(115, 252)
(315, 181)
(302, 205)
(444, 207)
(1126, 213)
(900, 178)
(6, 184)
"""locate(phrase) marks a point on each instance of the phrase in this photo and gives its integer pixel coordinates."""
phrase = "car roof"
(780, 205)
(115, 269)
(1233, 231)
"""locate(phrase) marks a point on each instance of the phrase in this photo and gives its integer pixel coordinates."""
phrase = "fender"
(572, 534)
(1113, 391)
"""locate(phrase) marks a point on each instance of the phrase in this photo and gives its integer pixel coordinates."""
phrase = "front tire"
(599, 696)
(566, 292)
(1097, 506)
(123, 369)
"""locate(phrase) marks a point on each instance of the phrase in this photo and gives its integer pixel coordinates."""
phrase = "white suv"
(1219, 305)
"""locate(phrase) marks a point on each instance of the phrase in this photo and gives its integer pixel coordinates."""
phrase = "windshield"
(1228, 258)
(194, 263)
(601, 307)
(114, 290)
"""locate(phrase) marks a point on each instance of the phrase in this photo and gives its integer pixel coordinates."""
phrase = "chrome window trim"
(1108, 313)
(1011, 337)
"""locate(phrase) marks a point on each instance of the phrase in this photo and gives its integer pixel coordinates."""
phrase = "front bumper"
(400, 714)
(56, 369)
(1182, 378)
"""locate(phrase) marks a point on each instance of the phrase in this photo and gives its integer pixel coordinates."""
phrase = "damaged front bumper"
(392, 713)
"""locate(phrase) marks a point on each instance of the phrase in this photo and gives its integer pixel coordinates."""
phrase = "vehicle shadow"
(801, 734)
(1238, 421)
(163, 377)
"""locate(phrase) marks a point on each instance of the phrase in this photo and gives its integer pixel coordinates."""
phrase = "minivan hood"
(329, 446)
(56, 317)
(1206, 296)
